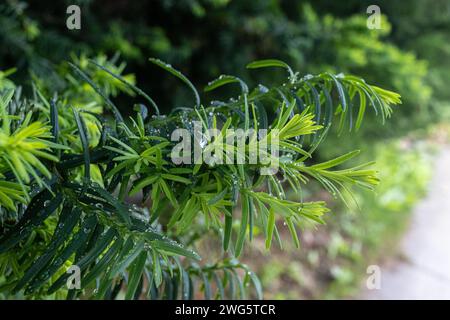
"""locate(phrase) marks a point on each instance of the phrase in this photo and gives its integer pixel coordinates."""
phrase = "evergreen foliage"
(70, 164)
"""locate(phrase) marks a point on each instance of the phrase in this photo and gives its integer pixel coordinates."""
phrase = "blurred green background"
(410, 54)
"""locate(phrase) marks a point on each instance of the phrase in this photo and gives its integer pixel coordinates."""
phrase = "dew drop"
(262, 89)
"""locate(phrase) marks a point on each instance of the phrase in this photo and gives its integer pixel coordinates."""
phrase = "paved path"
(423, 271)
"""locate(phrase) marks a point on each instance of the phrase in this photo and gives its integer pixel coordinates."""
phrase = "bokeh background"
(410, 54)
